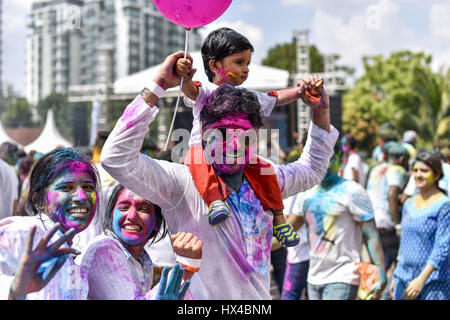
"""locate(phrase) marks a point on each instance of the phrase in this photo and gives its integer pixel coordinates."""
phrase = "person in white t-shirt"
(338, 216)
(354, 168)
(9, 184)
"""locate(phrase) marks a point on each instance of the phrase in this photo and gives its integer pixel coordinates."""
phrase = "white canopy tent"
(5, 138)
(261, 78)
(49, 138)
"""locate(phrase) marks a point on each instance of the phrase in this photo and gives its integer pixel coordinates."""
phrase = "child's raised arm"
(184, 70)
(286, 96)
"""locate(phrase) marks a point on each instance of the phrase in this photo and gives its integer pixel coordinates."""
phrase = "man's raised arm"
(160, 182)
(310, 169)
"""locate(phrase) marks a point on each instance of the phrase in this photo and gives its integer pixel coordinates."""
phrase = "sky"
(349, 28)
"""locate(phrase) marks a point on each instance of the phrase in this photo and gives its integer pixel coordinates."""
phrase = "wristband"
(189, 264)
(156, 89)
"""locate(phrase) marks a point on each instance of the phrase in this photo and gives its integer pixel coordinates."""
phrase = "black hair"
(49, 167)
(388, 132)
(229, 101)
(220, 44)
(102, 136)
(352, 142)
(110, 207)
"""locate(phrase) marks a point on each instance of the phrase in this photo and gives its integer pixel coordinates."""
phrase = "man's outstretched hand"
(314, 86)
(320, 107)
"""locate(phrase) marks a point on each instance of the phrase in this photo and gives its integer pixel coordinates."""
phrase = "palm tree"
(433, 91)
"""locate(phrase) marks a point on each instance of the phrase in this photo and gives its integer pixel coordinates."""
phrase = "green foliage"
(115, 110)
(282, 56)
(61, 110)
(17, 114)
(316, 61)
(402, 89)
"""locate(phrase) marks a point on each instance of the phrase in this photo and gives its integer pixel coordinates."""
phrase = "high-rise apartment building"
(110, 40)
(136, 33)
(53, 48)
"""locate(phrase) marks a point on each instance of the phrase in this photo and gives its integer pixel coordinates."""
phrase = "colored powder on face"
(59, 201)
(225, 76)
(429, 178)
(93, 199)
(75, 168)
(119, 217)
(428, 175)
(233, 121)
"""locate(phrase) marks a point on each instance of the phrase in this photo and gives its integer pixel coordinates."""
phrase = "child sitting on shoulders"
(226, 57)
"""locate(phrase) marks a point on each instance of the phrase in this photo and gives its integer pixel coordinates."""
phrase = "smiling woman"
(64, 199)
(423, 270)
(118, 266)
(63, 185)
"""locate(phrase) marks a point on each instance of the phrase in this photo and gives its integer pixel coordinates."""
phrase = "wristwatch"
(145, 94)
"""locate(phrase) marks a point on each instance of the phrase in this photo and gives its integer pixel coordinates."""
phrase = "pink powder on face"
(132, 215)
(76, 168)
(234, 122)
(59, 201)
(226, 76)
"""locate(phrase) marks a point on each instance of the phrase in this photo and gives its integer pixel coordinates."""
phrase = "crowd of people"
(326, 225)
(408, 238)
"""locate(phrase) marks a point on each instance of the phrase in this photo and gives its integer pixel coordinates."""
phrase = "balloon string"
(179, 94)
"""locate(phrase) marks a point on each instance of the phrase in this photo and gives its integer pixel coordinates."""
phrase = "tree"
(284, 56)
(17, 114)
(402, 89)
(62, 111)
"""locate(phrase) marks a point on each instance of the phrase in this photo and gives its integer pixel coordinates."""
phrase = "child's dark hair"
(220, 44)
(110, 207)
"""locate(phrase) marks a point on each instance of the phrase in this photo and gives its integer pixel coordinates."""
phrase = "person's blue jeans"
(332, 291)
(295, 280)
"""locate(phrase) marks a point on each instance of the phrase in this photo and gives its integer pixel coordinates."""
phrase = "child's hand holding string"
(184, 70)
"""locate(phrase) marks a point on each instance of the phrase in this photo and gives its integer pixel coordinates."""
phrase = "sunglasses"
(246, 137)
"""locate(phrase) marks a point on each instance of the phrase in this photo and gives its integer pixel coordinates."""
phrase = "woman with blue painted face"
(118, 266)
(64, 199)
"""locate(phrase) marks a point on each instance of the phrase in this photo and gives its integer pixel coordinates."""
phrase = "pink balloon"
(192, 13)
